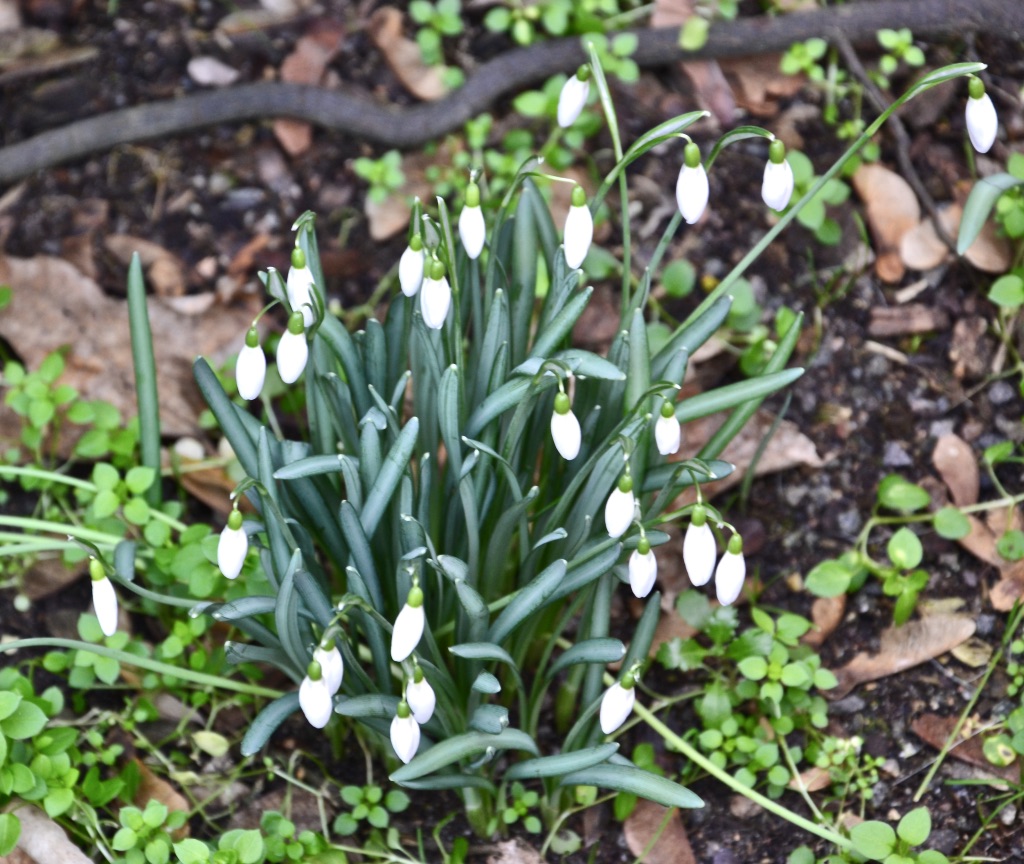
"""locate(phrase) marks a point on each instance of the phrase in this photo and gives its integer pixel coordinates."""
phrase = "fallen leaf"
(758, 85)
(954, 459)
(42, 841)
(904, 647)
(935, 731)
(990, 252)
(515, 851)
(211, 485)
(974, 652)
(403, 56)
(921, 248)
(892, 210)
(47, 576)
(970, 350)
(907, 319)
(812, 780)
(657, 834)
(154, 788)
(306, 64)
(163, 269)
(211, 72)
(670, 626)
(827, 614)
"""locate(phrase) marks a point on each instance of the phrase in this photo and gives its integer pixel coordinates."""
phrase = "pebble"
(849, 705)
(1008, 814)
(940, 428)
(984, 625)
(896, 456)
(850, 522)
(1000, 393)
(943, 840)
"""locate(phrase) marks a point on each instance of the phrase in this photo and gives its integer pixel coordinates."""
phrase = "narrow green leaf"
(145, 377)
(124, 560)
(267, 721)
(489, 718)
(311, 466)
(731, 395)
(239, 432)
(391, 472)
(483, 651)
(563, 763)
(370, 705)
(561, 326)
(459, 747)
(603, 650)
(623, 778)
(528, 600)
(643, 633)
(450, 781)
(979, 204)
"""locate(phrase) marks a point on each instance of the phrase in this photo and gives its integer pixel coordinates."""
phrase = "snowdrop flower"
(643, 568)
(250, 367)
(300, 287)
(565, 429)
(435, 296)
(699, 548)
(292, 350)
(405, 732)
(620, 507)
(573, 97)
(315, 697)
(233, 546)
(410, 266)
(982, 122)
(617, 703)
(579, 230)
(668, 434)
(408, 628)
(731, 571)
(331, 664)
(420, 696)
(104, 598)
(777, 185)
(692, 185)
(471, 223)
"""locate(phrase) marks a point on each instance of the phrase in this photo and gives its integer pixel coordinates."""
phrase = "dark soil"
(204, 196)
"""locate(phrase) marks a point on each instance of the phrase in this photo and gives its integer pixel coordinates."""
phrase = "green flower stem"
(29, 524)
(145, 376)
(145, 663)
(771, 806)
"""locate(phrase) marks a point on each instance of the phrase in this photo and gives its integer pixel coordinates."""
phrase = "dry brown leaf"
(812, 780)
(670, 626)
(970, 350)
(47, 576)
(306, 65)
(935, 731)
(921, 248)
(826, 613)
(974, 652)
(758, 85)
(990, 252)
(154, 788)
(53, 305)
(907, 319)
(954, 459)
(164, 270)
(515, 851)
(657, 831)
(403, 56)
(892, 210)
(904, 647)
(42, 841)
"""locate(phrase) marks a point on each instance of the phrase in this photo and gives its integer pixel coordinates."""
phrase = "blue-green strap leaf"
(603, 650)
(528, 600)
(979, 204)
(563, 763)
(266, 722)
(460, 747)
(623, 778)
(395, 464)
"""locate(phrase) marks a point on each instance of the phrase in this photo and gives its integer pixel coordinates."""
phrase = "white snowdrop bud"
(777, 185)
(315, 697)
(573, 97)
(104, 597)
(620, 507)
(668, 434)
(692, 185)
(420, 696)
(233, 546)
(982, 122)
(435, 296)
(292, 350)
(405, 733)
(409, 624)
(732, 569)
(643, 568)
(333, 667)
(617, 703)
(699, 548)
(471, 223)
(300, 287)
(579, 230)
(251, 367)
(565, 429)
(410, 266)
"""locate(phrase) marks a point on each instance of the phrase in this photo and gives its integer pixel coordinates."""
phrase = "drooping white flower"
(731, 571)
(617, 703)
(333, 667)
(315, 697)
(250, 367)
(300, 287)
(620, 507)
(233, 546)
(699, 548)
(573, 97)
(668, 434)
(472, 231)
(579, 230)
(692, 185)
(565, 429)
(982, 122)
(405, 733)
(408, 629)
(410, 266)
(420, 696)
(292, 350)
(643, 568)
(104, 597)
(435, 296)
(777, 185)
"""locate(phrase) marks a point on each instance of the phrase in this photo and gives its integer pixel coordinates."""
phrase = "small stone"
(984, 625)
(850, 522)
(742, 807)
(849, 705)
(1008, 815)
(940, 428)
(896, 456)
(1000, 393)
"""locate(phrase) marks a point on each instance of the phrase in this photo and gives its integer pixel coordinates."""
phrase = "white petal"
(104, 601)
(729, 577)
(982, 123)
(300, 295)
(699, 553)
(231, 551)
(250, 371)
(435, 300)
(316, 701)
(410, 271)
(421, 700)
(579, 234)
(692, 192)
(405, 737)
(407, 632)
(618, 512)
(565, 432)
(616, 704)
(643, 570)
(571, 100)
(292, 354)
(472, 231)
(332, 667)
(667, 435)
(777, 185)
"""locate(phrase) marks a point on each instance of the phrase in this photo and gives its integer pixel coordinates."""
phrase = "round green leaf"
(1007, 291)
(139, 479)
(905, 549)
(897, 493)
(951, 524)
(25, 721)
(1011, 545)
(915, 826)
(10, 831)
(830, 578)
(754, 668)
(874, 840)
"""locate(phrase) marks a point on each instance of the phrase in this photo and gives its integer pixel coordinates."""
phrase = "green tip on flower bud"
(252, 338)
(976, 88)
(415, 597)
(417, 674)
(295, 323)
(327, 643)
(579, 197)
(735, 544)
(643, 546)
(625, 483)
(668, 410)
(583, 73)
(97, 570)
(776, 152)
(436, 270)
(404, 710)
(416, 244)
(562, 405)
(698, 516)
(313, 671)
(235, 519)
(298, 258)
(628, 681)
(691, 155)
(472, 195)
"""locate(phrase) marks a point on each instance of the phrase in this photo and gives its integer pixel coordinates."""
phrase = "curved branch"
(359, 116)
